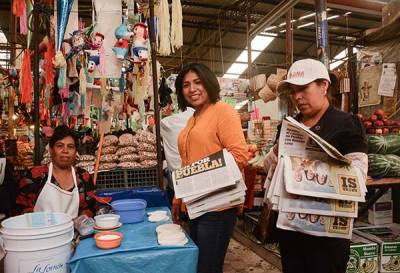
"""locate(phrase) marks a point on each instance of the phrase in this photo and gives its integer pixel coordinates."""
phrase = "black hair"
(207, 77)
(61, 132)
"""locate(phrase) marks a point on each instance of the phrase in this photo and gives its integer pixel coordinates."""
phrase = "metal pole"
(351, 64)
(289, 38)
(249, 61)
(36, 90)
(155, 91)
(322, 32)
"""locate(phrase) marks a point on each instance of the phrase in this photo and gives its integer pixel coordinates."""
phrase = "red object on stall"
(250, 174)
(18, 7)
(48, 63)
(26, 78)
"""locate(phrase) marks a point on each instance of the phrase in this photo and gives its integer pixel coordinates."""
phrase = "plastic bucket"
(37, 242)
(130, 210)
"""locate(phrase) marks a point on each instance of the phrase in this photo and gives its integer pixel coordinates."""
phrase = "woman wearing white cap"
(308, 83)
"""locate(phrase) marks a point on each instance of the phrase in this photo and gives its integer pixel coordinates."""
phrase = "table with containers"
(135, 239)
(132, 239)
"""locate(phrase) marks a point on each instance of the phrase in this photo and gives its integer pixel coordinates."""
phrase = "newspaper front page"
(210, 173)
(314, 181)
(317, 225)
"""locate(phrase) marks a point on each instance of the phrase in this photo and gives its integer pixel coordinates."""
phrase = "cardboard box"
(381, 213)
(389, 246)
(363, 256)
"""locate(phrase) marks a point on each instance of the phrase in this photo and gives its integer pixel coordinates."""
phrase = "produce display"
(389, 144)
(383, 165)
(378, 123)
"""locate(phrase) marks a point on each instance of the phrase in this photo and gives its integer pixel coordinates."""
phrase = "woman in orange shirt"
(214, 126)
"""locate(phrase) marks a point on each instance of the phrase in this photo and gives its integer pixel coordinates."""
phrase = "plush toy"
(94, 60)
(96, 53)
(123, 35)
(77, 42)
(139, 49)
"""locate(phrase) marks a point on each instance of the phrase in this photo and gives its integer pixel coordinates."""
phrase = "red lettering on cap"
(296, 74)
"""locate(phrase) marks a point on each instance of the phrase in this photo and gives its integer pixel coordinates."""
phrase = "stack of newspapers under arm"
(314, 188)
(210, 184)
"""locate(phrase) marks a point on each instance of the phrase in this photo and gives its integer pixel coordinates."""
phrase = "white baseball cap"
(303, 72)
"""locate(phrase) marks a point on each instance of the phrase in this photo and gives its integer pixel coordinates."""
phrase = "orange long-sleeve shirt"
(206, 133)
(216, 128)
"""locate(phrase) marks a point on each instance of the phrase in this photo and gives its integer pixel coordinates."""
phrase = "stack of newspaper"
(314, 187)
(212, 183)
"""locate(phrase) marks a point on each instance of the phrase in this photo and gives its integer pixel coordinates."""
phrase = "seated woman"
(58, 187)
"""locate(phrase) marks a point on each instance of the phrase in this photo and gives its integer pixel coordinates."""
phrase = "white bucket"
(37, 242)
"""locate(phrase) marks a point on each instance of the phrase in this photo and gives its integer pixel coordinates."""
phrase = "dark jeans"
(211, 232)
(302, 253)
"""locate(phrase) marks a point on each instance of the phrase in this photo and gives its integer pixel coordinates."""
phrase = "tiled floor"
(240, 259)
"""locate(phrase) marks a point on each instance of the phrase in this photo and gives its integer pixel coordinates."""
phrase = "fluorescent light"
(332, 17)
(347, 13)
(305, 25)
(231, 76)
(307, 16)
(270, 28)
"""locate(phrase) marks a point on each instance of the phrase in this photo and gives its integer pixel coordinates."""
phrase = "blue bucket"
(130, 210)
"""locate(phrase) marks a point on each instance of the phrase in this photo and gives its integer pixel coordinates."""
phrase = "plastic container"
(37, 242)
(107, 220)
(130, 210)
(108, 239)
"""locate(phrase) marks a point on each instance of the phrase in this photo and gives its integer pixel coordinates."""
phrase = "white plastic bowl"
(107, 220)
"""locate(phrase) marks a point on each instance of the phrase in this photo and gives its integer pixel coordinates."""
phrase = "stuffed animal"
(139, 49)
(123, 35)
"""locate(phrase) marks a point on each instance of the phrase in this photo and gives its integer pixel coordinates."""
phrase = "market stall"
(140, 251)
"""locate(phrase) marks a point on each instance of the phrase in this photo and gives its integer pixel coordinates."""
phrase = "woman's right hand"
(270, 161)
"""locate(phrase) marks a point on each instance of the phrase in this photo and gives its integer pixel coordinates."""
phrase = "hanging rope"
(220, 46)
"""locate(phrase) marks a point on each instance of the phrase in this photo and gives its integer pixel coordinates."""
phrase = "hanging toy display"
(96, 53)
(139, 49)
(123, 36)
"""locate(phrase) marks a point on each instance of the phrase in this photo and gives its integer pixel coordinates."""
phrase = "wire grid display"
(128, 178)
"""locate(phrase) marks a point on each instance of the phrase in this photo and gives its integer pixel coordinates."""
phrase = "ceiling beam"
(297, 37)
(300, 6)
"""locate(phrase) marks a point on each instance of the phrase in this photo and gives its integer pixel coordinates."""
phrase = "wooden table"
(382, 185)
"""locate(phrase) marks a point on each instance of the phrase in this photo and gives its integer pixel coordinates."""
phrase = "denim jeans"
(211, 232)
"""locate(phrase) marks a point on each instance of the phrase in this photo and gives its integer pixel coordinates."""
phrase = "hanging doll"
(123, 35)
(96, 53)
(77, 43)
(139, 48)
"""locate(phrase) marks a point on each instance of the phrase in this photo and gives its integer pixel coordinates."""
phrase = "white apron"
(54, 199)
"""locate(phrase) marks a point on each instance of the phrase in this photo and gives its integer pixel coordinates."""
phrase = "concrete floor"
(240, 259)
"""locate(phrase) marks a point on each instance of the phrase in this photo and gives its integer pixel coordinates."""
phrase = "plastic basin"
(130, 210)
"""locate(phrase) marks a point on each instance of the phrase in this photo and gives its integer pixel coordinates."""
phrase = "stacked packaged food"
(108, 158)
(86, 162)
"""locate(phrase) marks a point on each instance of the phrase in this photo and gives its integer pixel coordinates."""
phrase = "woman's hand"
(270, 161)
